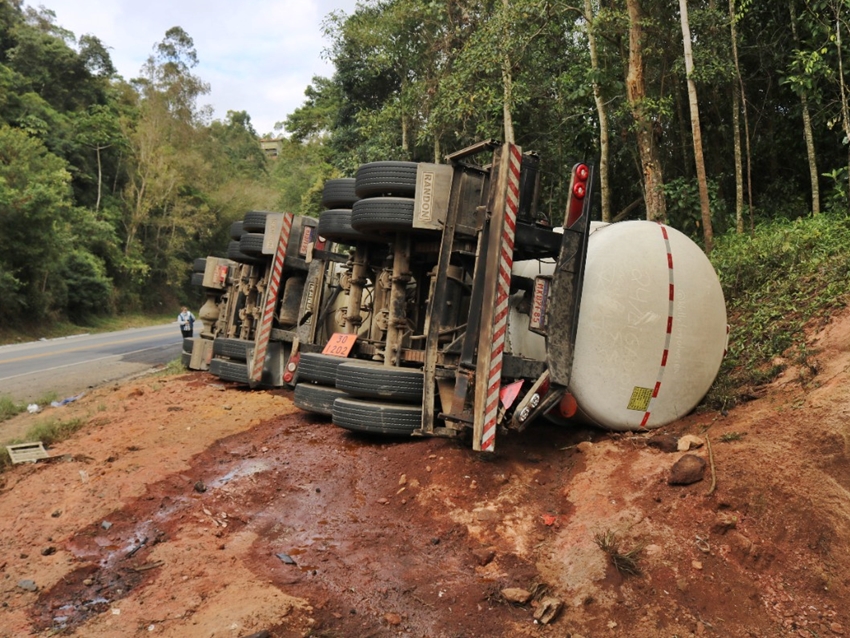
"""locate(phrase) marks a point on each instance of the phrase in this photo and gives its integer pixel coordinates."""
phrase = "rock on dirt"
(688, 469)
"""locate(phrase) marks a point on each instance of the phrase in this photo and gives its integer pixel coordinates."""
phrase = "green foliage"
(89, 290)
(789, 274)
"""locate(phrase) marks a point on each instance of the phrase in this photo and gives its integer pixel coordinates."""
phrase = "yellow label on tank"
(640, 399)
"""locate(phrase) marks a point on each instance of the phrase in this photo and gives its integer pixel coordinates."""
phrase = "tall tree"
(707, 230)
(653, 179)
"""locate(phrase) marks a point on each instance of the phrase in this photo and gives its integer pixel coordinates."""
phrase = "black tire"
(197, 279)
(236, 230)
(232, 348)
(185, 359)
(229, 370)
(383, 215)
(376, 381)
(336, 226)
(319, 368)
(316, 398)
(377, 418)
(199, 265)
(339, 193)
(188, 344)
(386, 178)
(235, 254)
(252, 244)
(254, 222)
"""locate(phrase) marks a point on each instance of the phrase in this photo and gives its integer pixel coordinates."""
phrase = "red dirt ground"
(166, 513)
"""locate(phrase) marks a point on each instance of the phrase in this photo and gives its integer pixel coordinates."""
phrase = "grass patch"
(54, 329)
(789, 277)
(732, 436)
(10, 408)
(625, 562)
(175, 366)
(48, 431)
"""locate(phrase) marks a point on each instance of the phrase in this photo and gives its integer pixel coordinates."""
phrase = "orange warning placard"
(340, 344)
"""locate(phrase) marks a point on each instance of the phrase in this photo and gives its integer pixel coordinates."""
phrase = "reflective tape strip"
(264, 330)
(669, 334)
(500, 315)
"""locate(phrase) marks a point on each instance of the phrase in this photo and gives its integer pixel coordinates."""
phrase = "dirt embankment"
(190, 508)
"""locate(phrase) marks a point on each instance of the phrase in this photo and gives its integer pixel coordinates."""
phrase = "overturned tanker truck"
(443, 303)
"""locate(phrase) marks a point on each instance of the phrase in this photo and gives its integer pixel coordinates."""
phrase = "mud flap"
(562, 311)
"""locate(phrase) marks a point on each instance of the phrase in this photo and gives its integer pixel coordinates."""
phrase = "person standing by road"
(186, 321)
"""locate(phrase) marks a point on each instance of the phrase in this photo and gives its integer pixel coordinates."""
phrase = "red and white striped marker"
(264, 330)
(669, 334)
(500, 315)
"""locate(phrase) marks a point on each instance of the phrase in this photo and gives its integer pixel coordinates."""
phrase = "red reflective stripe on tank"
(500, 318)
(261, 339)
(669, 331)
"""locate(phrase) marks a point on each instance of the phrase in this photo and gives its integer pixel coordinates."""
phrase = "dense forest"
(715, 117)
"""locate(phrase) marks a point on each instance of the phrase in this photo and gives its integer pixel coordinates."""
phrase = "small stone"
(402, 479)
(383, 501)
(227, 407)
(56, 513)
(516, 595)
(106, 525)
(200, 487)
(484, 555)
(47, 551)
(689, 442)
(836, 628)
(723, 523)
(88, 582)
(427, 468)
(687, 470)
(27, 585)
(393, 619)
(473, 484)
(584, 447)
(663, 442)
(696, 564)
(547, 610)
(611, 624)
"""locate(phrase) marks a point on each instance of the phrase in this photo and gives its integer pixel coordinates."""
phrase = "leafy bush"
(89, 290)
(790, 273)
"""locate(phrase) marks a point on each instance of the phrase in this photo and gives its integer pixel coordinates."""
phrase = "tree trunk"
(99, 180)
(845, 111)
(739, 169)
(653, 180)
(602, 113)
(705, 210)
(743, 96)
(507, 81)
(807, 128)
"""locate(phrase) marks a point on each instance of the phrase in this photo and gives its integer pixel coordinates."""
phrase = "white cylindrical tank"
(652, 327)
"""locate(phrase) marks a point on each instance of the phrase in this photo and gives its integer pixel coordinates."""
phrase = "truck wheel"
(376, 418)
(235, 254)
(376, 381)
(336, 226)
(254, 222)
(199, 265)
(386, 178)
(383, 215)
(232, 348)
(252, 244)
(339, 193)
(229, 370)
(236, 230)
(319, 368)
(197, 279)
(316, 398)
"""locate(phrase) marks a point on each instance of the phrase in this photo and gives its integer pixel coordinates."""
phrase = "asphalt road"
(70, 365)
